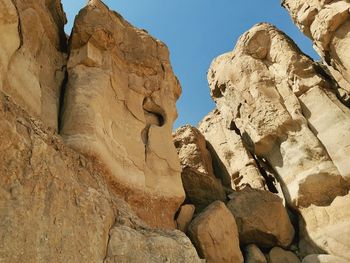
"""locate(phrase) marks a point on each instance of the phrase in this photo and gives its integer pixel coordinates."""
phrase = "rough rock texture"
(185, 217)
(261, 218)
(201, 186)
(214, 234)
(32, 55)
(326, 229)
(119, 108)
(270, 90)
(254, 255)
(327, 23)
(53, 200)
(279, 255)
(233, 160)
(323, 259)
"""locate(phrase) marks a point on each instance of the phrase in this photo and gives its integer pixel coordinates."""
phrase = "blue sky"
(197, 31)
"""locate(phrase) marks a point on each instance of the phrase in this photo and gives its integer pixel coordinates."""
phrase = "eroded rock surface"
(201, 186)
(33, 55)
(279, 255)
(215, 235)
(270, 90)
(327, 23)
(254, 255)
(119, 108)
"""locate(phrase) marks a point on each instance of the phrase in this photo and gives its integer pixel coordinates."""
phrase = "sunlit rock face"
(327, 23)
(32, 55)
(119, 108)
(273, 94)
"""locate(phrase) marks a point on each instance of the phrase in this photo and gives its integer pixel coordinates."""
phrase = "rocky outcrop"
(32, 55)
(233, 161)
(327, 23)
(185, 217)
(267, 87)
(201, 186)
(215, 235)
(326, 229)
(119, 108)
(254, 255)
(261, 218)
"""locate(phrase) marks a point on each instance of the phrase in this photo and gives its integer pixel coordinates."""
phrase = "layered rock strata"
(119, 108)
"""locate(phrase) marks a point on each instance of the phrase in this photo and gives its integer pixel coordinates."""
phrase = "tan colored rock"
(279, 255)
(201, 186)
(254, 255)
(323, 259)
(185, 217)
(214, 234)
(327, 23)
(130, 245)
(119, 108)
(261, 218)
(326, 229)
(263, 86)
(237, 164)
(33, 55)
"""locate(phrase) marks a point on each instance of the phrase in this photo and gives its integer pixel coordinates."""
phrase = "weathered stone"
(279, 255)
(32, 55)
(327, 23)
(326, 229)
(214, 234)
(261, 218)
(323, 259)
(130, 245)
(185, 217)
(119, 108)
(234, 162)
(201, 186)
(254, 255)
(262, 86)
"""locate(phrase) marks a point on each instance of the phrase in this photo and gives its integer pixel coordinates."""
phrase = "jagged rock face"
(326, 229)
(32, 55)
(215, 235)
(327, 23)
(201, 186)
(261, 218)
(233, 161)
(270, 90)
(119, 108)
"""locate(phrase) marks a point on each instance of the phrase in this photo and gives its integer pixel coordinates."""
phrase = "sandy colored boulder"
(254, 255)
(270, 90)
(327, 23)
(33, 55)
(323, 259)
(326, 229)
(119, 108)
(279, 255)
(185, 217)
(261, 218)
(214, 234)
(201, 186)
(233, 161)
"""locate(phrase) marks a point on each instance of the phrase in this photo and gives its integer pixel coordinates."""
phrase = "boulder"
(279, 255)
(33, 56)
(323, 259)
(201, 186)
(261, 218)
(119, 108)
(214, 234)
(233, 161)
(185, 217)
(254, 255)
(326, 229)
(270, 90)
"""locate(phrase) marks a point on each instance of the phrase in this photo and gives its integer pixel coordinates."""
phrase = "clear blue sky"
(196, 31)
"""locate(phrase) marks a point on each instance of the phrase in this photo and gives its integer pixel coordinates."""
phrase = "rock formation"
(119, 107)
